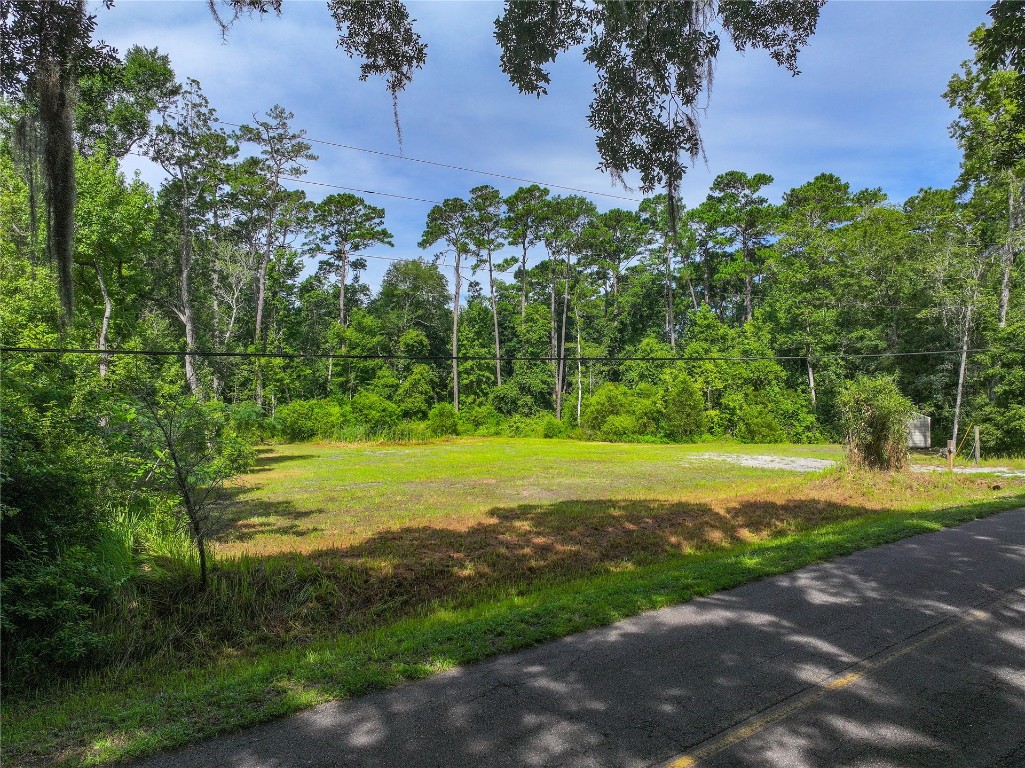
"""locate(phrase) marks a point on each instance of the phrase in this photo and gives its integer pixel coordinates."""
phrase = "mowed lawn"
(315, 495)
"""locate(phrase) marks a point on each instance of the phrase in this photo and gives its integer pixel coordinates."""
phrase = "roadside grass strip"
(95, 723)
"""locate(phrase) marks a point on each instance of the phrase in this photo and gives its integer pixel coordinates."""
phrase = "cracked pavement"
(934, 626)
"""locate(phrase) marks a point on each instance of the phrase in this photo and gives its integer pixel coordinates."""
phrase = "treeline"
(527, 305)
(529, 313)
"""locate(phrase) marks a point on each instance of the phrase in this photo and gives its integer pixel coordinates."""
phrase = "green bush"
(442, 421)
(875, 418)
(757, 423)
(372, 414)
(681, 407)
(608, 401)
(302, 420)
(416, 394)
(618, 428)
(552, 427)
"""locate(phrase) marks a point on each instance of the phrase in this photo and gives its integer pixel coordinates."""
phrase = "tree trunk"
(523, 283)
(560, 379)
(343, 275)
(580, 380)
(554, 338)
(748, 288)
(670, 319)
(961, 372)
(455, 332)
(105, 324)
(811, 380)
(494, 315)
(1007, 257)
(185, 308)
(706, 269)
(261, 295)
(261, 278)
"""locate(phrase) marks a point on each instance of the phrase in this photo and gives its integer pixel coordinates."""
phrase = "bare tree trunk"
(494, 315)
(693, 295)
(560, 379)
(261, 277)
(811, 380)
(964, 366)
(523, 283)
(261, 295)
(455, 331)
(1007, 256)
(105, 324)
(580, 380)
(185, 310)
(342, 277)
(554, 338)
(670, 319)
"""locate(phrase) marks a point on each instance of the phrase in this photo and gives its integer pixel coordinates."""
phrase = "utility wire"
(470, 358)
(364, 191)
(453, 167)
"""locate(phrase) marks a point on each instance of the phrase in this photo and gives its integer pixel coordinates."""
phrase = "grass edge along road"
(90, 725)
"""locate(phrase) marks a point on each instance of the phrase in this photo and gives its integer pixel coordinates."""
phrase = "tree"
(113, 232)
(665, 241)
(746, 220)
(45, 48)
(193, 154)
(282, 154)
(343, 226)
(451, 222)
(115, 103)
(990, 96)
(192, 451)
(524, 225)
(485, 231)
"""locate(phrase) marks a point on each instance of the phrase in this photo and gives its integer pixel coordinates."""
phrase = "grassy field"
(347, 568)
(314, 496)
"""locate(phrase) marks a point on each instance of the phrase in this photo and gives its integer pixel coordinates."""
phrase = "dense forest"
(226, 308)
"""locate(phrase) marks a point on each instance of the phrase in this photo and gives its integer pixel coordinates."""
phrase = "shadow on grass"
(647, 690)
(398, 573)
(268, 458)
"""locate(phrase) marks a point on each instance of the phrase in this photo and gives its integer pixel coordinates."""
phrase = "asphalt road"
(910, 654)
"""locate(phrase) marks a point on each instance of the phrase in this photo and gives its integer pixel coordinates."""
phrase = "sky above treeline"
(867, 105)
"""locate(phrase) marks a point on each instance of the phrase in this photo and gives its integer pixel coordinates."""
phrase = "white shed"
(919, 431)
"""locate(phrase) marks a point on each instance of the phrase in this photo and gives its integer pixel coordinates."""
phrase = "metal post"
(978, 447)
(951, 450)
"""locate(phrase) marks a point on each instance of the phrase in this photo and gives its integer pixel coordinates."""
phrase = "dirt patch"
(789, 463)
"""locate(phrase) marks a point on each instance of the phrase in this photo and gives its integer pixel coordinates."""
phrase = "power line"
(364, 191)
(471, 358)
(453, 167)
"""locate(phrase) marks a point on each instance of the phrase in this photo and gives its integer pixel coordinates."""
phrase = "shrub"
(442, 421)
(608, 401)
(681, 407)
(618, 427)
(415, 394)
(757, 424)
(302, 420)
(373, 414)
(875, 418)
(551, 427)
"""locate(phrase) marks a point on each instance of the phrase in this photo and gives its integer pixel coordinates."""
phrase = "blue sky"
(867, 105)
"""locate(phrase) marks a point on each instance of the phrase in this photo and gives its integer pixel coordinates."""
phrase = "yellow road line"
(737, 734)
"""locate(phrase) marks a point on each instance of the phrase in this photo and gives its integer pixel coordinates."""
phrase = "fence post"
(951, 450)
